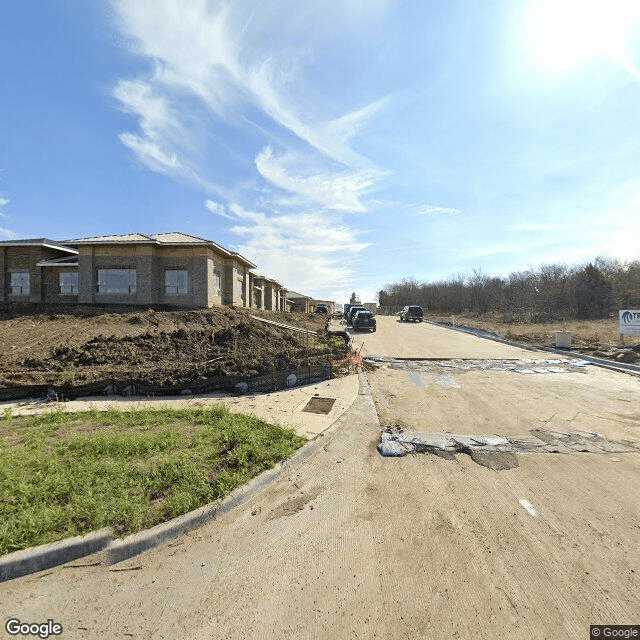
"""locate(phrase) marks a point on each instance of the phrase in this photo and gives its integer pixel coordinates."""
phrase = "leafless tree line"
(549, 293)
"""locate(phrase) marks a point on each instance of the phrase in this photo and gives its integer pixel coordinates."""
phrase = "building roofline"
(38, 242)
(129, 238)
(113, 239)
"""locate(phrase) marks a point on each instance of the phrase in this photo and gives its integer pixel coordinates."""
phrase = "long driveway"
(353, 545)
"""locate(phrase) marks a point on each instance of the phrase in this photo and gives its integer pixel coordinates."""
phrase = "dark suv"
(352, 312)
(363, 320)
(322, 308)
(411, 313)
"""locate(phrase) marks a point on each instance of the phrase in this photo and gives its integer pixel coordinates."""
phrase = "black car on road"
(411, 313)
(363, 321)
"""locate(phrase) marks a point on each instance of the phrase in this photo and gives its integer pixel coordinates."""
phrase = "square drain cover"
(319, 405)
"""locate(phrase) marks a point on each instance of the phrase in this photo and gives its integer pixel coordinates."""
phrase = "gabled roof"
(293, 294)
(170, 238)
(123, 238)
(38, 242)
(177, 237)
(266, 279)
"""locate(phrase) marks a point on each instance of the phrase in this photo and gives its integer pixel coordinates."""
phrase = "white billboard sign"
(630, 323)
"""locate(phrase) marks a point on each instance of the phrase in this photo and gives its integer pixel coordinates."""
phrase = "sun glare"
(562, 34)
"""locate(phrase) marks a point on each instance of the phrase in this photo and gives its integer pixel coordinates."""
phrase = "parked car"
(352, 312)
(363, 320)
(411, 313)
(322, 308)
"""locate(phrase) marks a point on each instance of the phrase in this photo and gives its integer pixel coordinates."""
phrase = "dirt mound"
(72, 346)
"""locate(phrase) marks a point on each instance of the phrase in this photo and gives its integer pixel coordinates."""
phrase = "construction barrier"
(273, 381)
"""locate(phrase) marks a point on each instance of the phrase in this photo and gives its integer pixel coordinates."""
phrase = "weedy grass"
(64, 474)
(584, 333)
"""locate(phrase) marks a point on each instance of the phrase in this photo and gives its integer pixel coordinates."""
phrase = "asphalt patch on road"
(499, 452)
(496, 460)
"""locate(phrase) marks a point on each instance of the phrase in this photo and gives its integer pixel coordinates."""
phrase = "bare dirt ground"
(77, 345)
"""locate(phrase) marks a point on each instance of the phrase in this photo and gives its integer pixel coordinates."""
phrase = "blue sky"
(338, 144)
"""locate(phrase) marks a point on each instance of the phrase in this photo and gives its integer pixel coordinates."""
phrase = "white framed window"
(69, 282)
(20, 283)
(116, 280)
(176, 281)
(217, 282)
(239, 284)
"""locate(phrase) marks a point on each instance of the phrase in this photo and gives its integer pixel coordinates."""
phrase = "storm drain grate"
(319, 405)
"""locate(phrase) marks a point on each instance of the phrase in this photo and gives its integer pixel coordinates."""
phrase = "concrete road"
(423, 340)
(353, 545)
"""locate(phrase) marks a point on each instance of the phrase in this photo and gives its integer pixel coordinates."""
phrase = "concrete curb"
(46, 556)
(113, 550)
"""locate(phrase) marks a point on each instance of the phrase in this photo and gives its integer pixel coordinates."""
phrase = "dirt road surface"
(354, 545)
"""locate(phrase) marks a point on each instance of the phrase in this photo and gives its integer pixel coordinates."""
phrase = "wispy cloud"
(159, 126)
(339, 191)
(3, 203)
(301, 250)
(218, 54)
(431, 210)
(7, 233)
(218, 208)
(227, 104)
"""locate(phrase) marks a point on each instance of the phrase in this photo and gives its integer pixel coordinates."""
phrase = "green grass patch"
(64, 474)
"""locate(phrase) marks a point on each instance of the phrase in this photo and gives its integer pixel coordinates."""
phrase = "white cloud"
(7, 233)
(224, 56)
(302, 251)
(331, 137)
(429, 210)
(228, 105)
(339, 191)
(160, 128)
(218, 208)
(151, 154)
(4, 201)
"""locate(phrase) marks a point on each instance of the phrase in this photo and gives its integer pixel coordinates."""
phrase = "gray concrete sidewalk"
(287, 407)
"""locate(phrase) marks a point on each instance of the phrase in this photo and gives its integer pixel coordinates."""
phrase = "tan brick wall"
(149, 261)
(215, 282)
(236, 284)
(51, 276)
(15, 258)
(113, 257)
